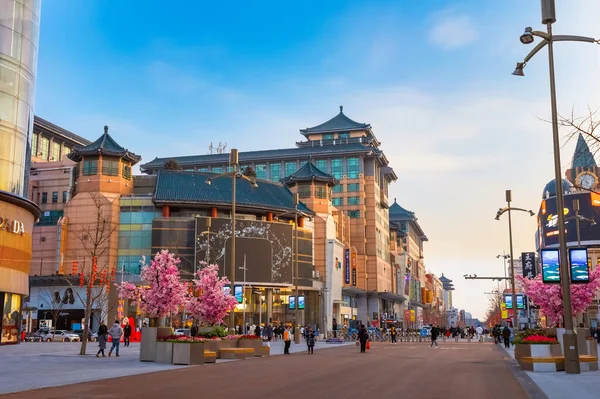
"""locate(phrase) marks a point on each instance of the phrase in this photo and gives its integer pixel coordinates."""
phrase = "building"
(52, 143)
(350, 152)
(18, 63)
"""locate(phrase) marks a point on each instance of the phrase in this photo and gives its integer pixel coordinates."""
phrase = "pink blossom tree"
(212, 304)
(549, 296)
(164, 293)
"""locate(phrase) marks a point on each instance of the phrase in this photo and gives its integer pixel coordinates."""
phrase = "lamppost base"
(571, 351)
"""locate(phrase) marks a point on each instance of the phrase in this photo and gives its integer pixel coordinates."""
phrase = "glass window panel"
(90, 168)
(55, 197)
(8, 108)
(354, 214)
(353, 187)
(353, 168)
(55, 153)
(202, 169)
(338, 189)
(337, 201)
(64, 197)
(217, 169)
(127, 172)
(137, 217)
(353, 201)
(275, 172)
(110, 167)
(290, 168)
(125, 217)
(345, 135)
(321, 192)
(337, 168)
(8, 79)
(44, 198)
(304, 191)
(34, 145)
(322, 165)
(261, 171)
(11, 319)
(328, 136)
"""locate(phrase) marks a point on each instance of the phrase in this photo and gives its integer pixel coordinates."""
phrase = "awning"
(390, 296)
(352, 291)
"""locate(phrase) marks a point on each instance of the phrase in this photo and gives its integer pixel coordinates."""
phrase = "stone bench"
(236, 353)
(588, 363)
(550, 363)
(210, 357)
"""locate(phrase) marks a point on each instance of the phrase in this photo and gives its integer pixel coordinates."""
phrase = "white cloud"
(453, 32)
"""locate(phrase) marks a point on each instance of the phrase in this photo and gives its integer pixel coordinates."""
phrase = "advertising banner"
(550, 266)
(528, 262)
(578, 263)
(300, 302)
(292, 302)
(347, 265)
(238, 293)
(503, 310)
(412, 315)
(589, 207)
(353, 258)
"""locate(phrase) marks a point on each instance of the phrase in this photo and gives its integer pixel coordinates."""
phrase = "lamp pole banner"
(528, 262)
(347, 265)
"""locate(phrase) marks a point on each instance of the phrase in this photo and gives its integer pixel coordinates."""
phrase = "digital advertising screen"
(238, 292)
(578, 261)
(301, 302)
(292, 302)
(508, 301)
(550, 266)
(520, 302)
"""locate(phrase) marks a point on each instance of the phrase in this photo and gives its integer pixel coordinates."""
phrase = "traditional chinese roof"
(339, 123)
(398, 214)
(583, 157)
(187, 188)
(51, 127)
(310, 173)
(105, 145)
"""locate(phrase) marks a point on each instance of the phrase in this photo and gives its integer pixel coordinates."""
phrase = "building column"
(166, 211)
(269, 301)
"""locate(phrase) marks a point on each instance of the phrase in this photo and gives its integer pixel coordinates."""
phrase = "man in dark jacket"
(126, 334)
(435, 332)
(506, 336)
(363, 337)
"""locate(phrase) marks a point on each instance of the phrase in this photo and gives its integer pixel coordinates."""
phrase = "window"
(353, 168)
(127, 172)
(275, 171)
(66, 151)
(290, 168)
(110, 168)
(304, 191)
(64, 196)
(354, 214)
(337, 168)
(353, 187)
(44, 148)
(217, 169)
(11, 318)
(261, 171)
(321, 192)
(337, 201)
(344, 135)
(202, 169)
(353, 201)
(328, 136)
(55, 197)
(34, 145)
(338, 189)
(322, 165)
(44, 198)
(90, 167)
(55, 155)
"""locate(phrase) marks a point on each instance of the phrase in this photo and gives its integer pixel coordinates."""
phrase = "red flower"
(539, 339)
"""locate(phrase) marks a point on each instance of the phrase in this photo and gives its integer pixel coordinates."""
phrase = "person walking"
(363, 337)
(393, 334)
(310, 341)
(126, 334)
(479, 331)
(287, 338)
(102, 338)
(435, 332)
(115, 332)
(334, 327)
(506, 336)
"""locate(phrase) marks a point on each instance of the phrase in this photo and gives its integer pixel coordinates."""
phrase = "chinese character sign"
(528, 262)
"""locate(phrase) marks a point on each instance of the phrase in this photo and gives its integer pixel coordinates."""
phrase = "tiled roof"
(184, 187)
(309, 172)
(105, 145)
(398, 213)
(44, 124)
(339, 123)
(264, 155)
(583, 157)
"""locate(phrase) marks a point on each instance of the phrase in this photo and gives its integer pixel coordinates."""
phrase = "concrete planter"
(526, 354)
(164, 352)
(252, 343)
(188, 354)
(148, 342)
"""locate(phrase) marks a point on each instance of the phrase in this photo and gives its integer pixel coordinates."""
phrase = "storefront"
(17, 216)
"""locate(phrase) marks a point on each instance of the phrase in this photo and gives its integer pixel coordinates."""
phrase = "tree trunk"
(86, 320)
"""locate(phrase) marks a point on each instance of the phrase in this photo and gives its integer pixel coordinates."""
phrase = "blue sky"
(432, 77)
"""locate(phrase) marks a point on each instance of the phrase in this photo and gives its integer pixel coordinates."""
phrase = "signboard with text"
(347, 265)
(528, 262)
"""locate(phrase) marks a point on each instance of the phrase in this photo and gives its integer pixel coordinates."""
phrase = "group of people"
(115, 332)
(502, 335)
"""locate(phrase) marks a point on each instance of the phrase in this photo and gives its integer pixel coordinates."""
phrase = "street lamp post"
(571, 349)
(504, 256)
(500, 212)
(244, 268)
(296, 310)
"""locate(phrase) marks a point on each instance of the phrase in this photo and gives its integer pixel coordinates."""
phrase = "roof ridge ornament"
(341, 109)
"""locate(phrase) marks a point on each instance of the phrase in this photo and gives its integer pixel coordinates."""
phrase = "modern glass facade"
(135, 232)
(19, 36)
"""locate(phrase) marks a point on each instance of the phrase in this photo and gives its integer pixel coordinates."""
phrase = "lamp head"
(254, 185)
(519, 69)
(527, 36)
(531, 213)
(207, 181)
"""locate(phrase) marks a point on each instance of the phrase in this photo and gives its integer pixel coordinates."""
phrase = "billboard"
(578, 265)
(550, 266)
(266, 247)
(238, 292)
(589, 207)
(292, 302)
(508, 301)
(301, 302)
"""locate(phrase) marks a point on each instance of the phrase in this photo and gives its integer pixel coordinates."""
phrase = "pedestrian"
(102, 337)
(126, 334)
(115, 332)
(363, 337)
(269, 333)
(194, 330)
(479, 331)
(506, 336)
(435, 332)
(310, 341)
(287, 338)
(393, 334)
(334, 328)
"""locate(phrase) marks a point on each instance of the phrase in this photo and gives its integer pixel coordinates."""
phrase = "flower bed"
(539, 340)
(536, 351)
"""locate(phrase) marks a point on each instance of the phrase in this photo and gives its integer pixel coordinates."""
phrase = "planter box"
(148, 342)
(188, 354)
(217, 345)
(539, 351)
(256, 344)
(164, 352)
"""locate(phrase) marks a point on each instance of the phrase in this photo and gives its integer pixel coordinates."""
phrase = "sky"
(432, 77)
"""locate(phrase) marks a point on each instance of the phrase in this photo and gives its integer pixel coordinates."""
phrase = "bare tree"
(588, 126)
(95, 273)
(172, 164)
(53, 301)
(494, 313)
(248, 171)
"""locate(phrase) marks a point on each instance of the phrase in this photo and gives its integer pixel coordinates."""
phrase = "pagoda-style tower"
(584, 171)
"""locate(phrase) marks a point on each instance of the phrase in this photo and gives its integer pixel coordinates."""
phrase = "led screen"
(580, 273)
(550, 266)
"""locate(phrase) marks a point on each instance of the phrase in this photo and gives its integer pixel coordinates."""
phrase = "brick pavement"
(404, 370)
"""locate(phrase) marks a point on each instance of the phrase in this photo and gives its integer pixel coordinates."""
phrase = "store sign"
(354, 277)
(347, 266)
(12, 226)
(528, 262)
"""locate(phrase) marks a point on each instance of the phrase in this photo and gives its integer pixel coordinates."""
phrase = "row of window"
(43, 198)
(49, 218)
(109, 168)
(42, 148)
(331, 136)
(349, 201)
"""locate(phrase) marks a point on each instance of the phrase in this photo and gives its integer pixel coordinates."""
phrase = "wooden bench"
(588, 363)
(236, 353)
(210, 357)
(550, 363)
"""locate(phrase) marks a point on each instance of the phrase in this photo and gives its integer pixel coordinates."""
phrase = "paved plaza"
(386, 371)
